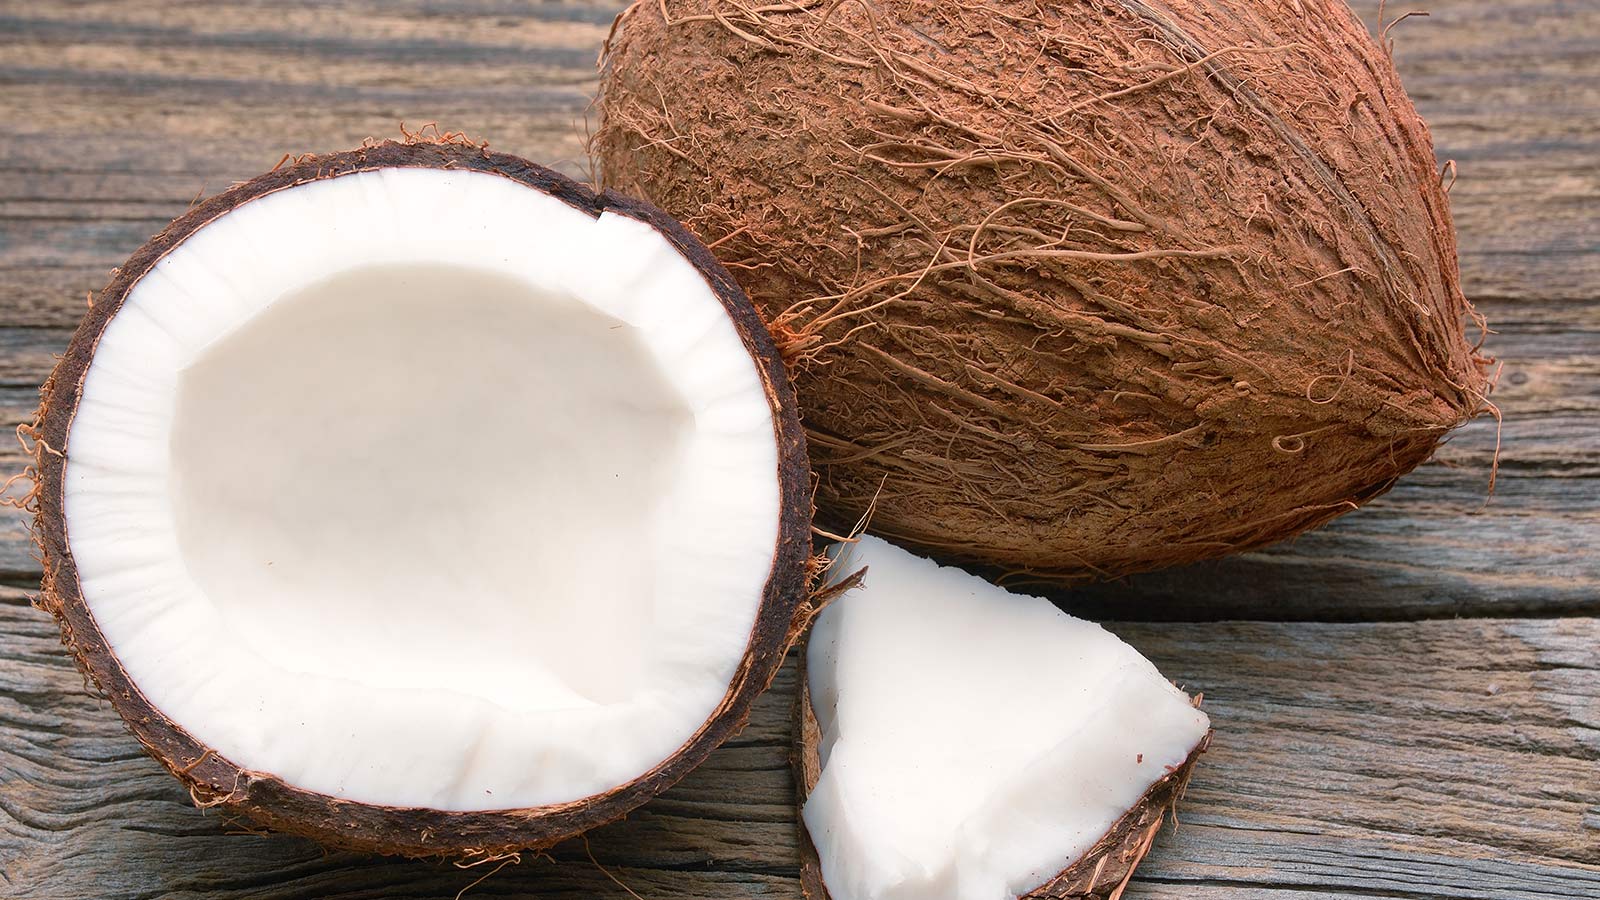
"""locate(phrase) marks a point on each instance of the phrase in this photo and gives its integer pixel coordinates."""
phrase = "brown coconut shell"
(1102, 873)
(1076, 289)
(217, 782)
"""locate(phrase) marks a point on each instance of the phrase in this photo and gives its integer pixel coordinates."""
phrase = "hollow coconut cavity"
(960, 742)
(419, 500)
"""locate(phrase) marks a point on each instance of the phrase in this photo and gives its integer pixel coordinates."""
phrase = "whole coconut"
(1077, 288)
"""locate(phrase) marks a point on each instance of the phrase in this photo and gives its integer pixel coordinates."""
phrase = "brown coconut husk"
(1069, 289)
(1101, 873)
(215, 782)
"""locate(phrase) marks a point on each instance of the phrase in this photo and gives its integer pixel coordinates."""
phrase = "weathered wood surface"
(1358, 755)
(1455, 759)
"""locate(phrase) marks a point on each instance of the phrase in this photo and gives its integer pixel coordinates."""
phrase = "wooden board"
(1360, 752)
(1420, 760)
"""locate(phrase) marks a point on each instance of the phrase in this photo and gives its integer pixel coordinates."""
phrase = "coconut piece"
(958, 742)
(1072, 289)
(418, 499)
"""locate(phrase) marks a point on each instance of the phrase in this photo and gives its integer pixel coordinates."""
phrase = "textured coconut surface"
(1421, 719)
(1055, 302)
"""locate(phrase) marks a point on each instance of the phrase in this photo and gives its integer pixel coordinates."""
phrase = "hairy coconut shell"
(1079, 288)
(1100, 874)
(215, 781)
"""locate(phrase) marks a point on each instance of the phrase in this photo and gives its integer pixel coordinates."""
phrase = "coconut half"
(418, 499)
(960, 742)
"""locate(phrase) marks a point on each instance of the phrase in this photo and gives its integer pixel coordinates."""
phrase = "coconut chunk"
(975, 744)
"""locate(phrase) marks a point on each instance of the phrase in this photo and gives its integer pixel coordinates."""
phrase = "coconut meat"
(974, 742)
(421, 487)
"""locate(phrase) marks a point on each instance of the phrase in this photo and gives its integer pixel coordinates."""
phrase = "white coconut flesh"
(975, 742)
(419, 487)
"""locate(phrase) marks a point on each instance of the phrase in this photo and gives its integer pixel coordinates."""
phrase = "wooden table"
(1407, 702)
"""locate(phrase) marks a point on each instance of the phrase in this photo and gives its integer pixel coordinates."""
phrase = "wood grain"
(1357, 754)
(1427, 760)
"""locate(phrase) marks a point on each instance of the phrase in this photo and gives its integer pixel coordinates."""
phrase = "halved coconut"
(959, 742)
(419, 500)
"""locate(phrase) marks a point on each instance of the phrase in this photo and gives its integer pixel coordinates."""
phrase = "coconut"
(1075, 289)
(959, 742)
(420, 500)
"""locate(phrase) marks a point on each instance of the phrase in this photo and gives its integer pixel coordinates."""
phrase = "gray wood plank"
(1427, 760)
